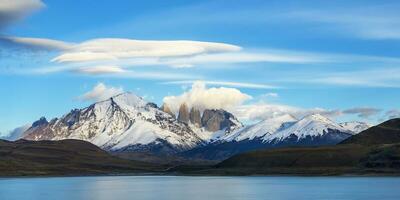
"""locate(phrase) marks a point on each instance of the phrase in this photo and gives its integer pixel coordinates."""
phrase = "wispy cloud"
(358, 19)
(384, 77)
(175, 54)
(262, 110)
(394, 113)
(223, 83)
(363, 112)
(97, 70)
(364, 21)
(270, 94)
(261, 56)
(16, 133)
(38, 43)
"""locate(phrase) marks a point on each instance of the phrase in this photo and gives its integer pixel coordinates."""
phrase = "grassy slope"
(65, 157)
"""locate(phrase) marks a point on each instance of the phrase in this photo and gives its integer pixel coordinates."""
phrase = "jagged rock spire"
(183, 113)
(195, 117)
(40, 122)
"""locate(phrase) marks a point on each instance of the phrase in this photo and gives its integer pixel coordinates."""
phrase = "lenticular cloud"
(115, 48)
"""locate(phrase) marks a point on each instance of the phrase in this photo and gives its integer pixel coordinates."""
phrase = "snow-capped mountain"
(282, 131)
(121, 123)
(311, 130)
(261, 129)
(126, 122)
(355, 127)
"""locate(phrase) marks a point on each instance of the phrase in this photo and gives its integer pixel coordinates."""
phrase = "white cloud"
(41, 43)
(13, 10)
(117, 48)
(368, 22)
(101, 92)
(211, 98)
(270, 94)
(224, 83)
(273, 56)
(102, 69)
(83, 57)
(113, 71)
(262, 110)
(176, 54)
(382, 77)
(363, 112)
(16, 133)
(394, 113)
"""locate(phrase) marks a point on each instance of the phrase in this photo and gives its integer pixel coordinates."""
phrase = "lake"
(199, 188)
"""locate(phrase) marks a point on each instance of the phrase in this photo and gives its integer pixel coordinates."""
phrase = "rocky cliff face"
(183, 115)
(214, 120)
(195, 117)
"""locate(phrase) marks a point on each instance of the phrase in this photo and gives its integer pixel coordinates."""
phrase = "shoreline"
(394, 175)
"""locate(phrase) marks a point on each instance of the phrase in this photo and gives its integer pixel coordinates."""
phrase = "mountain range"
(374, 151)
(128, 123)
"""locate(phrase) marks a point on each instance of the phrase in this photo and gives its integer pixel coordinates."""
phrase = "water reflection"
(199, 188)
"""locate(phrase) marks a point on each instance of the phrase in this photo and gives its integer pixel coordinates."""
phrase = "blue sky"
(339, 58)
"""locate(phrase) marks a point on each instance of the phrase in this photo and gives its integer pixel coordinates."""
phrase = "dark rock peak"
(214, 120)
(151, 105)
(75, 110)
(53, 120)
(195, 117)
(72, 117)
(183, 115)
(40, 122)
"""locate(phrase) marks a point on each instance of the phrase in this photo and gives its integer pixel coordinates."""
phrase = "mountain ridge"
(128, 123)
(311, 130)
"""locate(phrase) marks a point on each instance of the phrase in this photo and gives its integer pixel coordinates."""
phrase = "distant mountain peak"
(387, 132)
(314, 125)
(355, 126)
(262, 128)
(40, 122)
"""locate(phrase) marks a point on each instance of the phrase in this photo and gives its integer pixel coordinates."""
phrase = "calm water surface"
(200, 188)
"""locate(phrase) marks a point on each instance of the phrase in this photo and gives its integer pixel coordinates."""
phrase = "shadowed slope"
(385, 133)
(64, 157)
